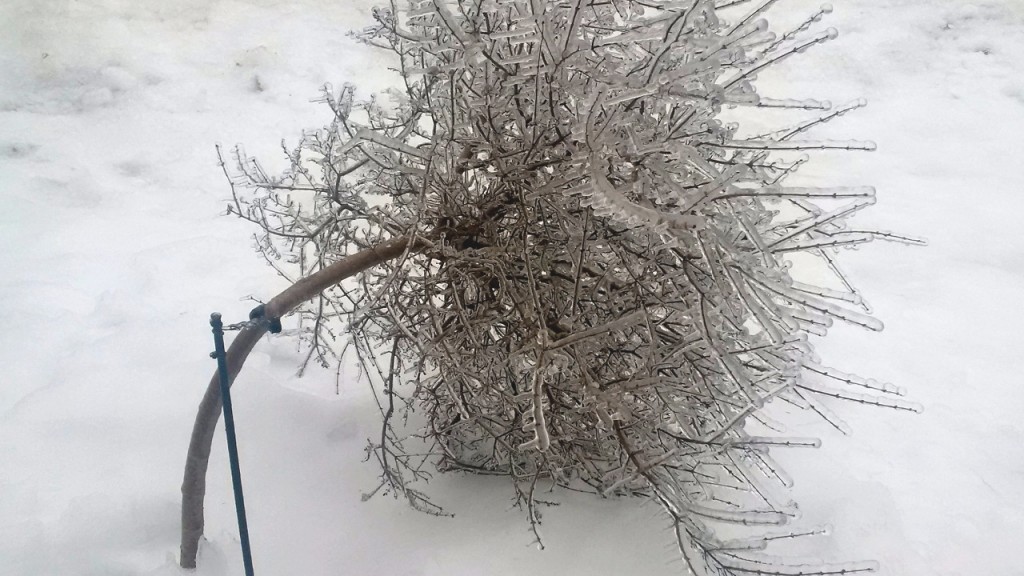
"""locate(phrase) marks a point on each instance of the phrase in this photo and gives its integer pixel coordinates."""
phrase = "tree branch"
(193, 488)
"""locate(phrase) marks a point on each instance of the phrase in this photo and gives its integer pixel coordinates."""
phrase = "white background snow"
(114, 250)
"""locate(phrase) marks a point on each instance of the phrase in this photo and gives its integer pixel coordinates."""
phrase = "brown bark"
(193, 488)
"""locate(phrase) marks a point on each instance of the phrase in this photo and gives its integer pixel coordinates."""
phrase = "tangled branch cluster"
(596, 292)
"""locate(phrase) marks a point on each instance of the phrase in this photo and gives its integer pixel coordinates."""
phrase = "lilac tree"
(557, 263)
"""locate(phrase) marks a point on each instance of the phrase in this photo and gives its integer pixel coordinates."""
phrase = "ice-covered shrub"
(593, 286)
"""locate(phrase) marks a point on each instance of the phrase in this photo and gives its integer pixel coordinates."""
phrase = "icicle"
(893, 237)
(367, 135)
(830, 241)
(766, 4)
(764, 564)
(754, 307)
(812, 328)
(830, 34)
(801, 192)
(826, 414)
(863, 398)
(737, 375)
(805, 25)
(746, 517)
(789, 442)
(743, 99)
(855, 380)
(787, 133)
(769, 422)
(865, 145)
(826, 308)
(852, 298)
(541, 439)
(824, 218)
(770, 468)
(762, 542)
(768, 491)
(806, 104)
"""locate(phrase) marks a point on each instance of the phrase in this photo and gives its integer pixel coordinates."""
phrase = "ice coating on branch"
(807, 104)
(862, 398)
(766, 145)
(853, 379)
(782, 441)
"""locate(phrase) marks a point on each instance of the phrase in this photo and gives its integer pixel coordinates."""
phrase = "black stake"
(229, 428)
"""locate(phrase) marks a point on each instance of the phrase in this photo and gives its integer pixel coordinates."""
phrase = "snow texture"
(114, 253)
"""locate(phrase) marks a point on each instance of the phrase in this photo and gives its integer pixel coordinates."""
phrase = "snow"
(114, 251)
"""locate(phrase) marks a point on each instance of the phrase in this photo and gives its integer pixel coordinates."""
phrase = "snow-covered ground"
(113, 252)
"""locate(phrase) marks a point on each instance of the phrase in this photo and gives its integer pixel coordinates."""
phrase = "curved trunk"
(193, 488)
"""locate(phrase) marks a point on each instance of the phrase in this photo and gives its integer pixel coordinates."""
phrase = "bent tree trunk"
(193, 489)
